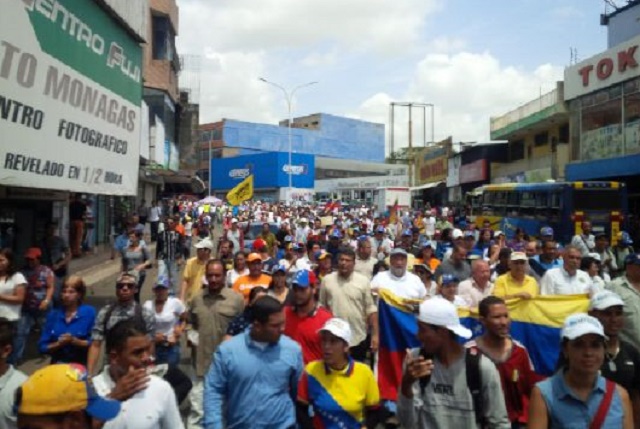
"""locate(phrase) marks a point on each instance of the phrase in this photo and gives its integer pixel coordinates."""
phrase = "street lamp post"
(288, 96)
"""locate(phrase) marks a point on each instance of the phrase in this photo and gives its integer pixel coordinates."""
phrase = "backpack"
(474, 382)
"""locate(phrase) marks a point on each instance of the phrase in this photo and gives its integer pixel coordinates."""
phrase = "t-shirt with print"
(36, 286)
(167, 319)
(244, 284)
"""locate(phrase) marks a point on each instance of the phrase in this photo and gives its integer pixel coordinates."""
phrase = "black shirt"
(77, 210)
(626, 365)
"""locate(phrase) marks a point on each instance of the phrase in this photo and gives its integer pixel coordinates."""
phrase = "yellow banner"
(242, 192)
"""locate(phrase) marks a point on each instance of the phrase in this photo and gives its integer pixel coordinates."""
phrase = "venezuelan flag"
(398, 332)
(536, 323)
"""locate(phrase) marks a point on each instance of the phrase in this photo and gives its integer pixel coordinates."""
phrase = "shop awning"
(426, 186)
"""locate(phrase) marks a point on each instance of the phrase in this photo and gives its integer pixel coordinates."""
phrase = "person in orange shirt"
(256, 277)
(427, 257)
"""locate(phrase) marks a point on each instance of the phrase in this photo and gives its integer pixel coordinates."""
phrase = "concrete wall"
(133, 13)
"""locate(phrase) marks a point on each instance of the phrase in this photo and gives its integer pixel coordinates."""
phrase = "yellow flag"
(242, 192)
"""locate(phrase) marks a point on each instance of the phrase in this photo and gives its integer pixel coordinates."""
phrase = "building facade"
(76, 124)
(538, 140)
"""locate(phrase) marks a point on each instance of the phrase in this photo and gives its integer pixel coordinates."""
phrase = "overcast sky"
(471, 58)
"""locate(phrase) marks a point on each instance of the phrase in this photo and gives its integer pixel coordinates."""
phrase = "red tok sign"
(606, 66)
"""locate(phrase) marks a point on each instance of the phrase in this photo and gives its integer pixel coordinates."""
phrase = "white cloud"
(380, 25)
(466, 89)
(320, 59)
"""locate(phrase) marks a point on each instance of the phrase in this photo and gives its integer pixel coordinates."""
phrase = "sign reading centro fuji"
(70, 98)
(613, 66)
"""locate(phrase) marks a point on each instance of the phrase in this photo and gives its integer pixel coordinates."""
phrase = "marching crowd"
(287, 331)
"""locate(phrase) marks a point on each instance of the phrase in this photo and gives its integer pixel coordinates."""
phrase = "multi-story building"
(603, 93)
(76, 114)
(538, 135)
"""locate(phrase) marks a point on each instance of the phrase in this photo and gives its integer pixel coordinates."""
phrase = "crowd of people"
(288, 330)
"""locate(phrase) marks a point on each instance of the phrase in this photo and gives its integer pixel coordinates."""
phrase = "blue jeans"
(23, 329)
(173, 273)
(168, 354)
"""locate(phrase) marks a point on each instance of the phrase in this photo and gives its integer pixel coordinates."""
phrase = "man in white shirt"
(585, 242)
(568, 279)
(148, 402)
(479, 286)
(398, 280)
(430, 224)
(154, 219)
(364, 261)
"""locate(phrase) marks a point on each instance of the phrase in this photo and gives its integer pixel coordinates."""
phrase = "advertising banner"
(70, 97)
(474, 172)
(270, 170)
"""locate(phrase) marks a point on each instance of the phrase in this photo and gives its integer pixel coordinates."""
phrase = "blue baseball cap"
(632, 258)
(304, 278)
(335, 234)
(448, 279)
(625, 238)
(162, 282)
(381, 229)
(546, 231)
(407, 233)
(288, 238)
(298, 246)
(279, 267)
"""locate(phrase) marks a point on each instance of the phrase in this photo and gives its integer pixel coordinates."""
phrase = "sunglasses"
(125, 285)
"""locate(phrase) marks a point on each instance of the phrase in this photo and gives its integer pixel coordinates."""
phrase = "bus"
(560, 205)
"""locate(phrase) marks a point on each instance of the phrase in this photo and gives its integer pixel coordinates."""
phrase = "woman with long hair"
(135, 257)
(239, 268)
(66, 335)
(577, 395)
(13, 288)
(278, 287)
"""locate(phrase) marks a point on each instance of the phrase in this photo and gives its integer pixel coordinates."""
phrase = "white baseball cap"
(234, 220)
(605, 299)
(498, 233)
(579, 324)
(440, 312)
(205, 243)
(338, 327)
(456, 233)
(519, 256)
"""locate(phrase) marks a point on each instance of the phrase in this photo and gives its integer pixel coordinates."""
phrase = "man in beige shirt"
(210, 313)
(347, 295)
(628, 287)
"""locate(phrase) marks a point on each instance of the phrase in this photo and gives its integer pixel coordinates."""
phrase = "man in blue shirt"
(253, 380)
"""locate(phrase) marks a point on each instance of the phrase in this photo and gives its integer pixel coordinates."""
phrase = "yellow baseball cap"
(62, 388)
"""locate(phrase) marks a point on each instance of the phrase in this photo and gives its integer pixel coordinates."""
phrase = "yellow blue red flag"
(536, 323)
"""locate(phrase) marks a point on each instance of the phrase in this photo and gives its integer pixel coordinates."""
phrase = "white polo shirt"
(557, 281)
(152, 408)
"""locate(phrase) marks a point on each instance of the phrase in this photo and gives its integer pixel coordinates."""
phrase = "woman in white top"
(239, 268)
(169, 313)
(13, 287)
(426, 276)
(591, 265)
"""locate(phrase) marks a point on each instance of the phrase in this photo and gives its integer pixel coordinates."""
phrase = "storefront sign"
(369, 182)
(474, 172)
(70, 98)
(270, 170)
(615, 65)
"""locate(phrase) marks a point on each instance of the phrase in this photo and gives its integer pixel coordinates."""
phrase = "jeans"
(154, 230)
(141, 279)
(25, 323)
(188, 242)
(168, 354)
(169, 268)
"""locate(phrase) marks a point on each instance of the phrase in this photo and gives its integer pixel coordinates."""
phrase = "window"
(516, 150)
(541, 139)
(600, 200)
(162, 38)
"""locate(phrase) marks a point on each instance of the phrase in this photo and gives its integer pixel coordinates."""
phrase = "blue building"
(270, 174)
(319, 134)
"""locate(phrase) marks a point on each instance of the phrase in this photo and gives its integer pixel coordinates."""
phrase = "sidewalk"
(96, 267)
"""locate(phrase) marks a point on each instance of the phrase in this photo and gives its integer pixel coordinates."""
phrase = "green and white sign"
(70, 96)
